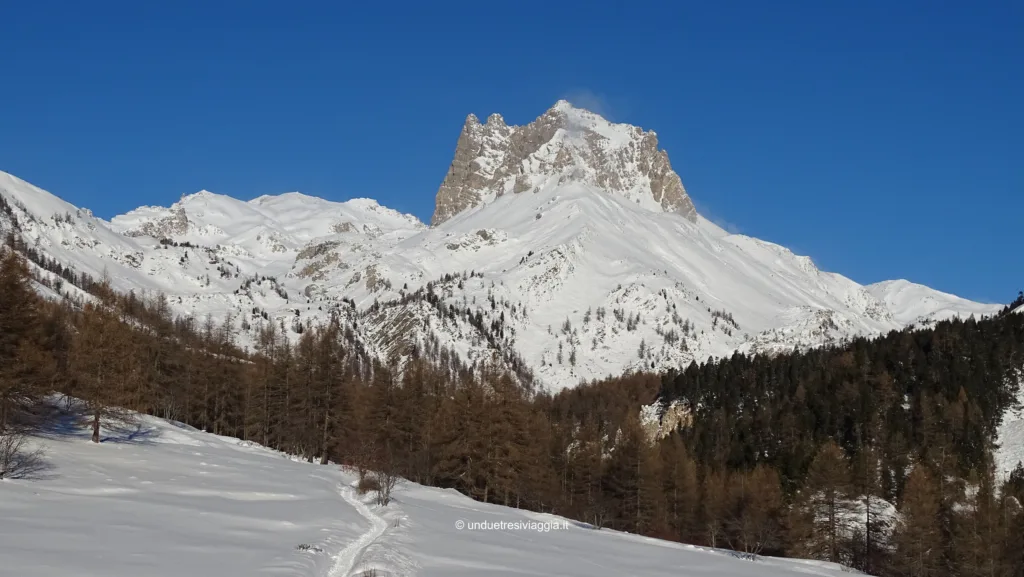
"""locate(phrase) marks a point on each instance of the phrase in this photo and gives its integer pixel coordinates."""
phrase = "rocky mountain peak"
(565, 144)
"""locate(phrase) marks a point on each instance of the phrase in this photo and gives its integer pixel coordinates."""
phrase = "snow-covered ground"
(171, 501)
(164, 499)
(1010, 436)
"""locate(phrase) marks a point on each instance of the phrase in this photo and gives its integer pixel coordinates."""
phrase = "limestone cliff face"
(565, 144)
(175, 223)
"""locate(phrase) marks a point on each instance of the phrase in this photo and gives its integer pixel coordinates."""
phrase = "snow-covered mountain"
(566, 248)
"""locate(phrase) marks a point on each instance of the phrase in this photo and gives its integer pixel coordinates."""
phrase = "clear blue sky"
(883, 139)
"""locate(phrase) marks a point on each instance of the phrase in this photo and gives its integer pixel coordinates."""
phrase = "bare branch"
(17, 460)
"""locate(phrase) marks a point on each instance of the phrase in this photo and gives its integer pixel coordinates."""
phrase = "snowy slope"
(286, 222)
(917, 303)
(69, 234)
(165, 499)
(170, 501)
(566, 248)
(1010, 435)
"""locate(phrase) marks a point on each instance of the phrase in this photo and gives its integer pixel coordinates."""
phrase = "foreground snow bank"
(456, 536)
(161, 498)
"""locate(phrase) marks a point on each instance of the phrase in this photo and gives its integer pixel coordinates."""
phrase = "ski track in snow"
(347, 559)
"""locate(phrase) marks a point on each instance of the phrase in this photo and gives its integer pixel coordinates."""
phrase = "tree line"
(876, 454)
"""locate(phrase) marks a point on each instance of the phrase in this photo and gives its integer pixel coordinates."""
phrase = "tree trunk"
(266, 405)
(323, 441)
(867, 535)
(96, 426)
(3, 414)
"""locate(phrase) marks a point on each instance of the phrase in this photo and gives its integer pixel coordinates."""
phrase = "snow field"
(161, 498)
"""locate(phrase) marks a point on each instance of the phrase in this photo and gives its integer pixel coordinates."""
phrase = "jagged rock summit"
(565, 144)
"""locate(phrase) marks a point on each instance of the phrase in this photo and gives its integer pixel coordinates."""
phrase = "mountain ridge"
(564, 281)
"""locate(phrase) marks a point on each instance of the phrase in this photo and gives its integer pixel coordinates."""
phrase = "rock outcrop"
(564, 144)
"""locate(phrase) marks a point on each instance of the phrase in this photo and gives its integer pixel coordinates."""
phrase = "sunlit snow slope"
(1010, 435)
(162, 499)
(566, 248)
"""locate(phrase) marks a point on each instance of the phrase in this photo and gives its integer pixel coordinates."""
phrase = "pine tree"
(870, 528)
(24, 366)
(632, 479)
(99, 364)
(414, 404)
(716, 506)
(981, 537)
(1010, 502)
(918, 537)
(682, 489)
(820, 522)
(331, 358)
(585, 473)
(756, 503)
(652, 518)
(459, 442)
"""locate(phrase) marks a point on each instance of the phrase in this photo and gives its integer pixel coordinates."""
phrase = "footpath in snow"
(346, 560)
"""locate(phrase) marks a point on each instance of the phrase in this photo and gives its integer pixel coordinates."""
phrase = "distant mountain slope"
(916, 303)
(565, 249)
